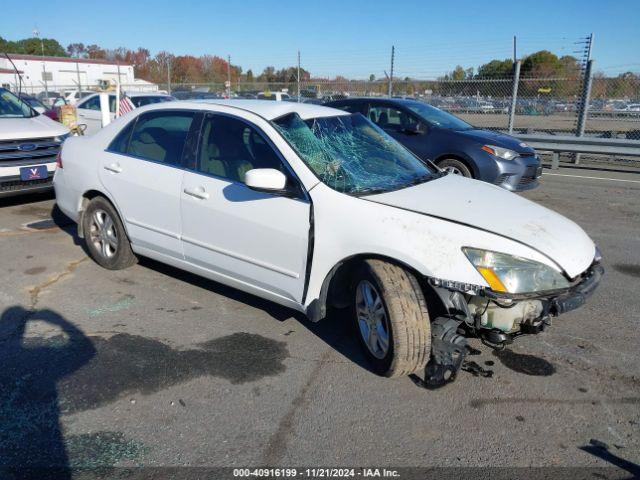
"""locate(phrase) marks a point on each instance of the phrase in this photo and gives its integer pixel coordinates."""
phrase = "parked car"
(89, 108)
(34, 103)
(451, 143)
(29, 144)
(277, 96)
(73, 96)
(49, 98)
(312, 207)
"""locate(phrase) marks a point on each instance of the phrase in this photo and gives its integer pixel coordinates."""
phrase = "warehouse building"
(61, 73)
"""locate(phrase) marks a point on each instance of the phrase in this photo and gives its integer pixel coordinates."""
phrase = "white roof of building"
(270, 109)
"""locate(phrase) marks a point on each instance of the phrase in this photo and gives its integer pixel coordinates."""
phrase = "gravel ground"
(152, 366)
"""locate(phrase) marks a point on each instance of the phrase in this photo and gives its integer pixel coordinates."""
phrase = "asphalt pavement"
(156, 367)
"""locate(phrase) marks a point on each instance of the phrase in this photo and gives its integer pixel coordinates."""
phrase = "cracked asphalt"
(157, 367)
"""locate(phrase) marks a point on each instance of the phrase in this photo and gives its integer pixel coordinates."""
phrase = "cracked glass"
(352, 155)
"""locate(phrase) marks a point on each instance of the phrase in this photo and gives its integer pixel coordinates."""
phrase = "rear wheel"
(105, 237)
(456, 167)
(391, 318)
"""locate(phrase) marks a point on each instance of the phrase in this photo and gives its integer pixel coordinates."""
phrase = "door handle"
(113, 168)
(197, 193)
(81, 115)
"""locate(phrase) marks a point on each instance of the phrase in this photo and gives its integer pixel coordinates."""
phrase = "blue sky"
(352, 38)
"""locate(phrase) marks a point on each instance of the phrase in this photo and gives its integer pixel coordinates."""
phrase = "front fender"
(347, 226)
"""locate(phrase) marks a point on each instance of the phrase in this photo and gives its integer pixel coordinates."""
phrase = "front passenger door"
(255, 241)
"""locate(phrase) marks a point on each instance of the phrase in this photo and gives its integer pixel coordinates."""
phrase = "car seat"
(147, 143)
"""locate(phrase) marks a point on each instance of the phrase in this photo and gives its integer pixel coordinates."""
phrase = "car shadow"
(26, 198)
(31, 436)
(336, 330)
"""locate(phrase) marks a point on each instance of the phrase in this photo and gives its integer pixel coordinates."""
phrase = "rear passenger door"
(142, 171)
(255, 241)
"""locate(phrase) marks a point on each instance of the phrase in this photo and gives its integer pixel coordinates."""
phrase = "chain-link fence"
(542, 105)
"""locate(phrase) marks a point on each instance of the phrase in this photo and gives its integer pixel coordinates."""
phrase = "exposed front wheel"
(391, 318)
(456, 167)
(105, 237)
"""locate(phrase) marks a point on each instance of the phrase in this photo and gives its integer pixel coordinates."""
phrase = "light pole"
(36, 33)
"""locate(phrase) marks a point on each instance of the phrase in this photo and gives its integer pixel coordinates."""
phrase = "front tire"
(391, 318)
(456, 167)
(105, 237)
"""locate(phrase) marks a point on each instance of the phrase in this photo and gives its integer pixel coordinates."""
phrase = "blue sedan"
(451, 143)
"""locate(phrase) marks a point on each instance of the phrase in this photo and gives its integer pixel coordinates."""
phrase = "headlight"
(504, 153)
(511, 274)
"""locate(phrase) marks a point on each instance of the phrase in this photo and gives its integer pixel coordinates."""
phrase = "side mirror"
(265, 180)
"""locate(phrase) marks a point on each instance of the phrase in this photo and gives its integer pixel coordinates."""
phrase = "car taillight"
(59, 159)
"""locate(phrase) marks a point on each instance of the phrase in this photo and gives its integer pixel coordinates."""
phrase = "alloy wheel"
(103, 234)
(372, 319)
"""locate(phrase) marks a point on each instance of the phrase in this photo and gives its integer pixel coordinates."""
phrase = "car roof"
(270, 110)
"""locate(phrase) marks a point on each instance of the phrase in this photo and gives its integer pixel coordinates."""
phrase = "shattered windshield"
(350, 154)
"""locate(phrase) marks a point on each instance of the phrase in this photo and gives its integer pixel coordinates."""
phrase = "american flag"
(125, 104)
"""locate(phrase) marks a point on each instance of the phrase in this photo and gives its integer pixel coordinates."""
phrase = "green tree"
(496, 69)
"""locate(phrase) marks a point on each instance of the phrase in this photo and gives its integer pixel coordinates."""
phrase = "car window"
(92, 103)
(390, 118)
(120, 144)
(231, 147)
(142, 101)
(160, 136)
(349, 107)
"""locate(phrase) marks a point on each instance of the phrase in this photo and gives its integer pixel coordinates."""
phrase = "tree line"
(539, 70)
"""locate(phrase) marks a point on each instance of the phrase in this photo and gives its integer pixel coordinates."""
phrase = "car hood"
(486, 137)
(493, 209)
(26, 128)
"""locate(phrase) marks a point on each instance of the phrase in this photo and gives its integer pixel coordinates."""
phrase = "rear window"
(142, 101)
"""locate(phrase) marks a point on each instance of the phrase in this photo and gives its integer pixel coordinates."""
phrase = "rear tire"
(105, 237)
(456, 167)
(396, 311)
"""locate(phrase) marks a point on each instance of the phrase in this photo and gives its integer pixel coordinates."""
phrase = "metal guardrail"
(594, 145)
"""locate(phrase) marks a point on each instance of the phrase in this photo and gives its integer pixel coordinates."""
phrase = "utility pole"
(515, 56)
(36, 33)
(169, 75)
(298, 76)
(229, 76)
(390, 87)
(78, 76)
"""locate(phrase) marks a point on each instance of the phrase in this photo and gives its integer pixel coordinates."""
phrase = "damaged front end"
(497, 318)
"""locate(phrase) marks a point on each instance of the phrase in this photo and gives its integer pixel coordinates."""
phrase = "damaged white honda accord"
(313, 208)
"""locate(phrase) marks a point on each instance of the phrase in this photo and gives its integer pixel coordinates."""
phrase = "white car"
(89, 114)
(72, 97)
(29, 144)
(312, 207)
(274, 96)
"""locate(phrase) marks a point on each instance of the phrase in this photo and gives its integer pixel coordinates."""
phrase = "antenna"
(17, 73)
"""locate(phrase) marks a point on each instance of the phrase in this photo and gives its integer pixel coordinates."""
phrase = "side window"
(390, 118)
(350, 107)
(92, 103)
(230, 147)
(121, 142)
(160, 136)
(112, 103)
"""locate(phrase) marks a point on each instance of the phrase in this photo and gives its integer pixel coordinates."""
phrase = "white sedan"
(312, 207)
(90, 115)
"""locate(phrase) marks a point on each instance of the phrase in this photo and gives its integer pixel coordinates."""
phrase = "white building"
(61, 73)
